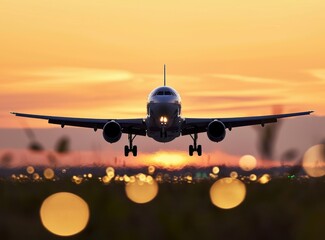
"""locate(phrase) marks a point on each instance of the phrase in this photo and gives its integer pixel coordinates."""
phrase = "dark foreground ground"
(280, 209)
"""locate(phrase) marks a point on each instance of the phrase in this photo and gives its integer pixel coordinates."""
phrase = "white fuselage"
(164, 114)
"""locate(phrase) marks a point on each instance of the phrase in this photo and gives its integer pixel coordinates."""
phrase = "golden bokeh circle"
(253, 177)
(30, 169)
(233, 174)
(264, 179)
(227, 193)
(142, 191)
(215, 170)
(314, 161)
(64, 214)
(151, 169)
(247, 162)
(48, 173)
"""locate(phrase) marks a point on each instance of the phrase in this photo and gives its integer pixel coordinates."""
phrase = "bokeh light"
(48, 173)
(110, 172)
(77, 179)
(106, 179)
(227, 193)
(234, 174)
(247, 162)
(64, 214)
(264, 179)
(36, 176)
(30, 170)
(151, 169)
(252, 177)
(314, 161)
(141, 189)
(215, 170)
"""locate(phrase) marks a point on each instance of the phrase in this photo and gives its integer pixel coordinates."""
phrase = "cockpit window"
(164, 93)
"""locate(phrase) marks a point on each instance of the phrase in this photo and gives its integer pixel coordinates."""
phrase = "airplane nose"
(165, 110)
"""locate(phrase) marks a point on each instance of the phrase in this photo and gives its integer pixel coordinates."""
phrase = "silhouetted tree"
(35, 146)
(6, 159)
(63, 145)
(52, 160)
(267, 136)
(289, 155)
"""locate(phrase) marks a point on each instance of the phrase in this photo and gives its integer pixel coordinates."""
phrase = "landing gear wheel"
(126, 150)
(199, 150)
(131, 148)
(195, 148)
(135, 151)
(191, 150)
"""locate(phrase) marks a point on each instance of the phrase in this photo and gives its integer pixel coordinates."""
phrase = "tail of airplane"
(164, 74)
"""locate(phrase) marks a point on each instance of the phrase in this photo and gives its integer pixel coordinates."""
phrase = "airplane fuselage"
(164, 114)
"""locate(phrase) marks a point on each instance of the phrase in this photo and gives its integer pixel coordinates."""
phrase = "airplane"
(163, 122)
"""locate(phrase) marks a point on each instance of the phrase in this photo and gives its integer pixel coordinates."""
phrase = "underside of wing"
(198, 125)
(134, 126)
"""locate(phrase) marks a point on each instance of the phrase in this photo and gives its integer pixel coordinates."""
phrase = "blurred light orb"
(106, 179)
(141, 191)
(234, 174)
(265, 178)
(252, 177)
(141, 177)
(247, 162)
(77, 179)
(227, 193)
(314, 161)
(151, 169)
(36, 176)
(132, 179)
(110, 172)
(215, 170)
(30, 169)
(48, 173)
(64, 214)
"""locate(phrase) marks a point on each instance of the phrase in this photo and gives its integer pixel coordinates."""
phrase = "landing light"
(163, 120)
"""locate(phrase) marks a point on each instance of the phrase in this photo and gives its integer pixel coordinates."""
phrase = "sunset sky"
(102, 58)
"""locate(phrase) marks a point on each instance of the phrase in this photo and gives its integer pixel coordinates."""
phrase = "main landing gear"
(194, 148)
(131, 148)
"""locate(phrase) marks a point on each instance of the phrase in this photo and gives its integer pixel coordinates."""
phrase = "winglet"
(164, 74)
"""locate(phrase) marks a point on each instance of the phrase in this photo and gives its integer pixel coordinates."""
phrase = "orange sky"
(102, 58)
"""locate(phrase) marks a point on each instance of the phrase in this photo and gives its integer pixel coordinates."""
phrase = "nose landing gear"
(131, 148)
(195, 148)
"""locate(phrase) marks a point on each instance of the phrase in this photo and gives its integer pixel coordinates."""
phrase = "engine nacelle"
(112, 132)
(216, 131)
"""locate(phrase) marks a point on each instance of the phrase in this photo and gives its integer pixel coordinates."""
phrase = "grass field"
(281, 209)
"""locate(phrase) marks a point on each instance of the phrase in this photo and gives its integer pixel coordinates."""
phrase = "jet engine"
(216, 131)
(112, 132)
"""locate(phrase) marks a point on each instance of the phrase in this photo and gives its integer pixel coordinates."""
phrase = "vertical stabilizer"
(164, 74)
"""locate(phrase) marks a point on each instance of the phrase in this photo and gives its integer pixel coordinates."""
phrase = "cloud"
(256, 92)
(83, 75)
(229, 98)
(318, 73)
(250, 79)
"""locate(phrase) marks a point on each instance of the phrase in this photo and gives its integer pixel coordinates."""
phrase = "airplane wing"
(135, 126)
(198, 125)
